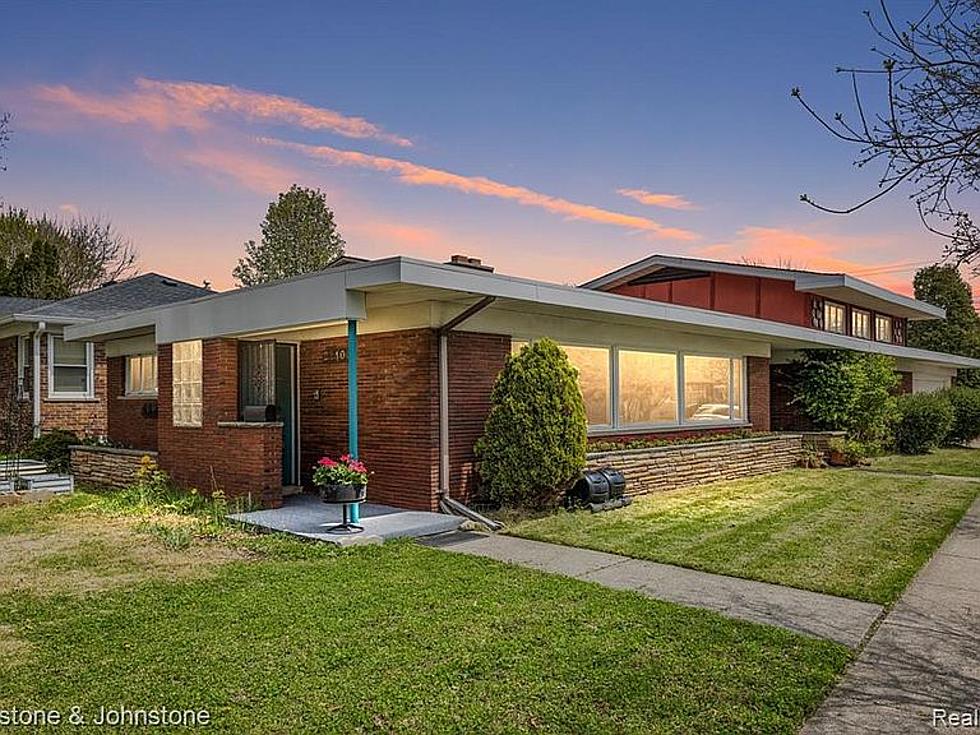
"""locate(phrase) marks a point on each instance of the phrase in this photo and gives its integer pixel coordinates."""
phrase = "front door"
(286, 410)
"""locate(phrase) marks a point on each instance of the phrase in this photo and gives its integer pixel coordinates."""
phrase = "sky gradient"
(555, 141)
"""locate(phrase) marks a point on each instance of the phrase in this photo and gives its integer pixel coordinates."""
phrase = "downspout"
(446, 503)
(36, 377)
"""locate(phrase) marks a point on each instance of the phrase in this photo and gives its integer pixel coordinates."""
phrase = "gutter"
(36, 377)
(446, 503)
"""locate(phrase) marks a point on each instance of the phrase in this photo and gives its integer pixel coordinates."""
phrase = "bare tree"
(927, 133)
(93, 253)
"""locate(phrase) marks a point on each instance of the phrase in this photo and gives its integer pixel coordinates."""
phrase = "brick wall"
(105, 466)
(474, 362)
(242, 460)
(683, 465)
(397, 412)
(87, 418)
(16, 411)
(131, 421)
(757, 385)
(786, 415)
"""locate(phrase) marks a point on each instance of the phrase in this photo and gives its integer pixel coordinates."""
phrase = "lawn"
(849, 533)
(948, 461)
(271, 635)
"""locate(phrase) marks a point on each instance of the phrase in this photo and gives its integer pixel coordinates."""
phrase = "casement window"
(883, 328)
(141, 375)
(70, 369)
(860, 323)
(834, 317)
(627, 389)
(187, 383)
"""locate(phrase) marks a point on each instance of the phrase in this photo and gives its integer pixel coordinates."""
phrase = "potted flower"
(343, 481)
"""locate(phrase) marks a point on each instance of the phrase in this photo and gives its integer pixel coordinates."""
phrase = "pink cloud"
(418, 175)
(167, 105)
(251, 171)
(667, 201)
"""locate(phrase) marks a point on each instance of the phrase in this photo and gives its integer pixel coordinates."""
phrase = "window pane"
(647, 388)
(593, 380)
(883, 328)
(833, 317)
(706, 388)
(738, 392)
(71, 379)
(69, 353)
(860, 324)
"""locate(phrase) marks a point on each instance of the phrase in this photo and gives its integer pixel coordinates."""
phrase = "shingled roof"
(112, 299)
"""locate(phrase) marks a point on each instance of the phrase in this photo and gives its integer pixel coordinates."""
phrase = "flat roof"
(839, 286)
(339, 293)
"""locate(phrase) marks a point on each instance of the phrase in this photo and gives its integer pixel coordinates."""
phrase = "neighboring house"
(87, 388)
(398, 356)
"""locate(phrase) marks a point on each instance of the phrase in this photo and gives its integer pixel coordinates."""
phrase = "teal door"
(286, 410)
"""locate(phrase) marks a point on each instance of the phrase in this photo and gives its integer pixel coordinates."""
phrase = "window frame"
(128, 391)
(870, 330)
(174, 402)
(25, 357)
(827, 304)
(55, 395)
(617, 427)
(891, 328)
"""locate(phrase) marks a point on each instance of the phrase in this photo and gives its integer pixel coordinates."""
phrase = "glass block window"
(187, 383)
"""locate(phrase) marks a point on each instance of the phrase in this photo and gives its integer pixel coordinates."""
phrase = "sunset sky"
(554, 140)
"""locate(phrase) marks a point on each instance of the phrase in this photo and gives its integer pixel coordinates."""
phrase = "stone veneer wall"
(682, 465)
(106, 466)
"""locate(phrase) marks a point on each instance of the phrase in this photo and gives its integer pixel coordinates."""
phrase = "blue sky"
(503, 120)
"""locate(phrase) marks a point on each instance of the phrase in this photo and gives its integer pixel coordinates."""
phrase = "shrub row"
(927, 420)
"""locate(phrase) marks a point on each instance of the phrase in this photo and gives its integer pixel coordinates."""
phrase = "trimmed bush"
(924, 422)
(534, 440)
(966, 414)
(52, 449)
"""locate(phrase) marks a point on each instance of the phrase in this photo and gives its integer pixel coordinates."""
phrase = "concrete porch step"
(22, 467)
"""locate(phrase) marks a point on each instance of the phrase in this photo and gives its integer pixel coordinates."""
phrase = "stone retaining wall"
(107, 466)
(683, 465)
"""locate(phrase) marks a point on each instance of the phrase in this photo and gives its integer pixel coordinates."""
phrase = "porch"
(305, 516)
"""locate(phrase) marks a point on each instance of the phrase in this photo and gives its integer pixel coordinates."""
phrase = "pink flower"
(344, 457)
(327, 462)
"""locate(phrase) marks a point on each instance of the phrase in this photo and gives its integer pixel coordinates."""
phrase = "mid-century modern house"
(396, 358)
(90, 388)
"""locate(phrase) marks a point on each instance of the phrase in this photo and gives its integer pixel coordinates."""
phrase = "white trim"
(89, 393)
(36, 378)
(235, 312)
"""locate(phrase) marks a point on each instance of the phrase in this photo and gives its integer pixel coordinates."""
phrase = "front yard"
(849, 533)
(946, 461)
(103, 604)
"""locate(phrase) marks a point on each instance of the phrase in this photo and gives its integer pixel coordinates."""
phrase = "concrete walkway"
(924, 656)
(811, 613)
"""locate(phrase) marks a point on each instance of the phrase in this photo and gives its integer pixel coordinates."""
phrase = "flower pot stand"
(346, 527)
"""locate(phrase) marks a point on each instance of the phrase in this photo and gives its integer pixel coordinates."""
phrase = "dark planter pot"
(343, 493)
(836, 458)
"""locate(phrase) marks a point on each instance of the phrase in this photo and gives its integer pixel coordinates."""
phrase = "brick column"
(758, 392)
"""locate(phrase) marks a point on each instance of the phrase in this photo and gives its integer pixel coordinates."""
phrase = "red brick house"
(397, 357)
(89, 388)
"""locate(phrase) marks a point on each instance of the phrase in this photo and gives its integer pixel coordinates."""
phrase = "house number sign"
(335, 354)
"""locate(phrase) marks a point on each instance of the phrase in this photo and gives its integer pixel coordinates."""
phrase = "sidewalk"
(925, 654)
(811, 613)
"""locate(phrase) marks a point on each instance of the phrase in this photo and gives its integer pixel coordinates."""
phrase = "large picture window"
(593, 380)
(187, 383)
(141, 375)
(626, 389)
(647, 388)
(69, 369)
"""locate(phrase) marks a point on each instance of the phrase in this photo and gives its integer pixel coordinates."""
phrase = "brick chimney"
(465, 261)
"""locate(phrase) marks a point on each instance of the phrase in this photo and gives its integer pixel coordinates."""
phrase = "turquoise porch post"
(354, 508)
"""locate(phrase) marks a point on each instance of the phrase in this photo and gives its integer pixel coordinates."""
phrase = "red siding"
(692, 292)
(736, 294)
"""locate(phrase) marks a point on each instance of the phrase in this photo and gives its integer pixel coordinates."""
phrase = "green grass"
(853, 534)
(402, 639)
(949, 461)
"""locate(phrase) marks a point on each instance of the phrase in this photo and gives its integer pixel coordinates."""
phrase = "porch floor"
(306, 516)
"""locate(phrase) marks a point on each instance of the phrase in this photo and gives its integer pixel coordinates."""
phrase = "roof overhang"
(833, 286)
(339, 294)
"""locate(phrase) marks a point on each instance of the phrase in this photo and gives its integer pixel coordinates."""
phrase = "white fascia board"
(914, 308)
